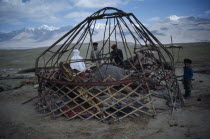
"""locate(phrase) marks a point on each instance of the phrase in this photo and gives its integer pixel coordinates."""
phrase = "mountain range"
(183, 29)
(31, 37)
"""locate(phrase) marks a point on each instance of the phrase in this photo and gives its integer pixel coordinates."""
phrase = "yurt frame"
(148, 66)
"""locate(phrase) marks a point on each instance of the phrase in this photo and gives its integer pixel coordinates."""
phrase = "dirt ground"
(191, 121)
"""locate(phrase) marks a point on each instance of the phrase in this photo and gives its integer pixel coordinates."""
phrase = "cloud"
(11, 21)
(155, 32)
(207, 12)
(77, 16)
(154, 19)
(163, 28)
(48, 11)
(33, 10)
(101, 3)
(98, 3)
(20, 13)
(174, 17)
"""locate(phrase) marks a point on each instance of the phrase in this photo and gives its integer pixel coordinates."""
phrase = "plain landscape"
(19, 120)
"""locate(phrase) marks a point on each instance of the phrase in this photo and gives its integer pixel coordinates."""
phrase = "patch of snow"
(45, 27)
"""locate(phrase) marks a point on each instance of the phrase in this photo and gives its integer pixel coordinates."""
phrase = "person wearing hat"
(117, 55)
(95, 53)
(187, 78)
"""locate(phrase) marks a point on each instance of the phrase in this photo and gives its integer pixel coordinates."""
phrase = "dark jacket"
(188, 73)
(117, 56)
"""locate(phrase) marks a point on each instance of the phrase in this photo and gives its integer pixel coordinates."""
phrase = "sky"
(18, 14)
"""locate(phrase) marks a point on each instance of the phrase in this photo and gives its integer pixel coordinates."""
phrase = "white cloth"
(80, 66)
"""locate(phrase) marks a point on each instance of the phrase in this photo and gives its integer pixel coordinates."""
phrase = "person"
(95, 53)
(117, 55)
(187, 78)
(77, 63)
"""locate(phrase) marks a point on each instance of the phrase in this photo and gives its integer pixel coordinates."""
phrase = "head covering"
(189, 61)
(80, 66)
(114, 46)
(95, 44)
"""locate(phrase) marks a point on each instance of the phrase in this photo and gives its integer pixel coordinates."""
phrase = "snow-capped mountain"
(183, 29)
(32, 37)
(45, 27)
(35, 32)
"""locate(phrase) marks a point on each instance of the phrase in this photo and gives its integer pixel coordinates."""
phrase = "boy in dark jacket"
(187, 78)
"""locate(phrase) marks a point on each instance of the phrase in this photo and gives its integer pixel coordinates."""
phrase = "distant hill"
(198, 52)
(183, 30)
